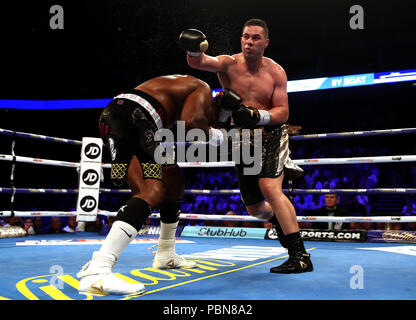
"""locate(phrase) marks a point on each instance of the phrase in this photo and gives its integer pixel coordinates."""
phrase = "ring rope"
(350, 134)
(356, 160)
(194, 216)
(318, 161)
(12, 170)
(296, 137)
(38, 137)
(220, 192)
(59, 163)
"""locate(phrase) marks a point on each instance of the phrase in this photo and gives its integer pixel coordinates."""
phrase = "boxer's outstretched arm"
(208, 63)
(195, 43)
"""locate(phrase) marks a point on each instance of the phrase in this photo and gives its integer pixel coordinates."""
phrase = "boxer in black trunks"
(127, 126)
(261, 83)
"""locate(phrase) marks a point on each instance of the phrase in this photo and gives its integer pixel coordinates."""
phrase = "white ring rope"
(194, 216)
(58, 163)
(221, 191)
(354, 134)
(191, 216)
(347, 134)
(319, 161)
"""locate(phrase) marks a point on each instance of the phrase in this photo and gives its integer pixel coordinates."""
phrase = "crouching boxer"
(127, 126)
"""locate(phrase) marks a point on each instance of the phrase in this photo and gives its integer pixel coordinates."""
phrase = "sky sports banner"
(270, 234)
(325, 235)
(324, 83)
(334, 235)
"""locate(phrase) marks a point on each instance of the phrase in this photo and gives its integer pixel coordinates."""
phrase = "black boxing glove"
(249, 117)
(228, 99)
(193, 41)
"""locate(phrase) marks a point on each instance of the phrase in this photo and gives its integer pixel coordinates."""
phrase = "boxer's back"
(171, 91)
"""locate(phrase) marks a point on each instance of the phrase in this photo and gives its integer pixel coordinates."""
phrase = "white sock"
(168, 230)
(167, 237)
(120, 235)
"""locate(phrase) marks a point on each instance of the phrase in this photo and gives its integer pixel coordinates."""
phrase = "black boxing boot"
(281, 236)
(299, 261)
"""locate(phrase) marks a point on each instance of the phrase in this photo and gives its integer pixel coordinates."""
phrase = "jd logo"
(92, 150)
(88, 203)
(90, 177)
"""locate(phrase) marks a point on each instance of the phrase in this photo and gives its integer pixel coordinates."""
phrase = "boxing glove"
(249, 117)
(228, 99)
(193, 41)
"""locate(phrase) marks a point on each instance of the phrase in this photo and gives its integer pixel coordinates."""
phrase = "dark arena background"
(107, 46)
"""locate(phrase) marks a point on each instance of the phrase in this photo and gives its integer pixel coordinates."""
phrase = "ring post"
(89, 179)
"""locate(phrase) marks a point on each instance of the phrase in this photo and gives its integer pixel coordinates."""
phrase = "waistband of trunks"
(150, 104)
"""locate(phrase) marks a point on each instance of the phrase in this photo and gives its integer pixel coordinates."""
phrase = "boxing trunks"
(127, 126)
(275, 160)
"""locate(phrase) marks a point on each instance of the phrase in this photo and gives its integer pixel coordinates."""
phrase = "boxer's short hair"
(257, 22)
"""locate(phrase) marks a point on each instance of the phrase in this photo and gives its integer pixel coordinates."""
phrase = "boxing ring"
(229, 267)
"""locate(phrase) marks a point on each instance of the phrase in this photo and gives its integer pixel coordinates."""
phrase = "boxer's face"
(331, 200)
(253, 42)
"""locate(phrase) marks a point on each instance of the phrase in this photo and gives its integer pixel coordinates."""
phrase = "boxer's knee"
(260, 210)
(153, 194)
(271, 187)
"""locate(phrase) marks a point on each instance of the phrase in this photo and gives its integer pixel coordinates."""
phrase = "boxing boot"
(167, 258)
(97, 278)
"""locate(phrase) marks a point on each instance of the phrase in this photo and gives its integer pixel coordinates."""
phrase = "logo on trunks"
(88, 203)
(92, 151)
(90, 177)
(244, 146)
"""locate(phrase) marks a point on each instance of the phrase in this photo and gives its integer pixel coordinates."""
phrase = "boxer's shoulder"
(275, 70)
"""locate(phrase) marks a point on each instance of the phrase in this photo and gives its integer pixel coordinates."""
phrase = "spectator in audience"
(14, 222)
(38, 226)
(353, 205)
(202, 207)
(71, 224)
(372, 179)
(28, 223)
(301, 205)
(230, 223)
(94, 226)
(330, 209)
(409, 209)
(216, 206)
(56, 225)
(111, 220)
